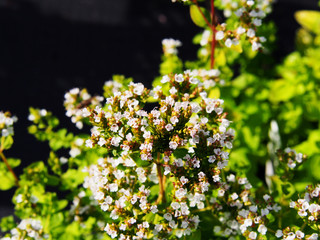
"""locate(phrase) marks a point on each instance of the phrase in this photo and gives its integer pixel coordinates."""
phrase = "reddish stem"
(213, 28)
(212, 25)
(9, 168)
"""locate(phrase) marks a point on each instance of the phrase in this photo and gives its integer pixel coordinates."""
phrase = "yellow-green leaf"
(309, 20)
(197, 17)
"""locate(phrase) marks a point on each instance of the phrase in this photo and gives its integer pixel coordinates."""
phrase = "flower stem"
(3, 157)
(161, 197)
(213, 28)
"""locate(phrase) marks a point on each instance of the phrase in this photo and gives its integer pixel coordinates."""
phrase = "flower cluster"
(170, 45)
(290, 159)
(29, 229)
(181, 145)
(293, 234)
(75, 101)
(240, 212)
(249, 14)
(6, 123)
(309, 207)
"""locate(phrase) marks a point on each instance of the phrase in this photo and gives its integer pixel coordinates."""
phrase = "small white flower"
(262, 229)
(252, 235)
(219, 35)
(228, 42)
(179, 78)
(165, 79)
(279, 233)
(169, 127)
(299, 234)
(251, 33)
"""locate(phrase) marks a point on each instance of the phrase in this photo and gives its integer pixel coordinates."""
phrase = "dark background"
(50, 46)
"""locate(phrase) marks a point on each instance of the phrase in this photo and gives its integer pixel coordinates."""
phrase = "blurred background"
(48, 47)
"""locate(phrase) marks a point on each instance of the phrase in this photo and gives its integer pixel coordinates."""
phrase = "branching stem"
(212, 26)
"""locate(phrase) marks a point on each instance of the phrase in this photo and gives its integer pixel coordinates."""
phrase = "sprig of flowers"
(75, 101)
(6, 123)
(29, 229)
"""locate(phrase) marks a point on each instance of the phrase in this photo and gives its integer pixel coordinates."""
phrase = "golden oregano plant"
(181, 160)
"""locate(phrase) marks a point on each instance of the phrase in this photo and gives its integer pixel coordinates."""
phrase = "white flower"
(173, 145)
(314, 236)
(256, 46)
(228, 42)
(264, 212)
(241, 30)
(115, 141)
(257, 22)
(154, 209)
(266, 197)
(248, 222)
(234, 196)
(102, 142)
(180, 193)
(167, 216)
(216, 178)
(250, 3)
(89, 143)
(279, 234)
(219, 35)
(174, 119)
(262, 229)
(299, 234)
(165, 79)
(173, 91)
(113, 187)
(179, 78)
(251, 33)
(252, 235)
(169, 127)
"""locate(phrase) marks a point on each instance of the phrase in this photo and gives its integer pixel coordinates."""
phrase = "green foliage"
(7, 179)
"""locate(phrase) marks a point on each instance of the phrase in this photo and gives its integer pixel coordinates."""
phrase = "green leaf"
(180, 153)
(72, 179)
(137, 159)
(7, 143)
(197, 17)
(7, 179)
(309, 20)
(195, 235)
(7, 223)
(315, 166)
(281, 90)
(288, 189)
(14, 162)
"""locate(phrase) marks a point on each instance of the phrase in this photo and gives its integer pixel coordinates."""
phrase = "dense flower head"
(75, 101)
(294, 233)
(308, 208)
(182, 145)
(6, 124)
(240, 210)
